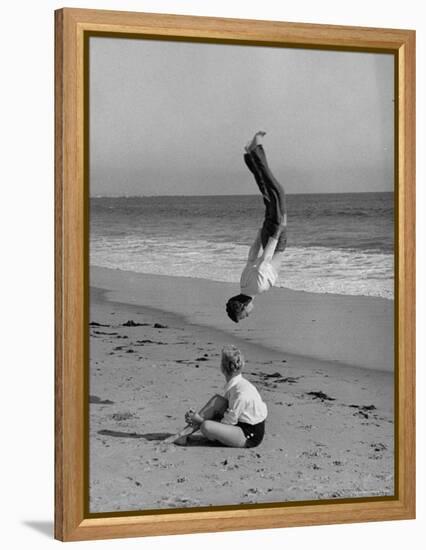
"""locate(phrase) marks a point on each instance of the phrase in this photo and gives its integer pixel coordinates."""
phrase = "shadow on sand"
(156, 436)
(193, 440)
(200, 441)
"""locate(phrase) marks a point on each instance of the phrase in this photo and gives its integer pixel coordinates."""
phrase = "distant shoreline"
(277, 286)
(337, 243)
(352, 330)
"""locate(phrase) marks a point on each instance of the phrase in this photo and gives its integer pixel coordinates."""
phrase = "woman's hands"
(192, 418)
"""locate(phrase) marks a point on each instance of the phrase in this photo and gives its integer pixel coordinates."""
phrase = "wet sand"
(329, 431)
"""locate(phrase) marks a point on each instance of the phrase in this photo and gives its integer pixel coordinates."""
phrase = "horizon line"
(129, 196)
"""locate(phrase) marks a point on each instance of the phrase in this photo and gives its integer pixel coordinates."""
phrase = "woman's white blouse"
(244, 402)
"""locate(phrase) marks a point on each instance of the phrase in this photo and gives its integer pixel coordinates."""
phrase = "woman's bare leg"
(214, 408)
(231, 436)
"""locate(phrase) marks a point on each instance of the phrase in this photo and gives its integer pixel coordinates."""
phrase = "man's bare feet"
(256, 140)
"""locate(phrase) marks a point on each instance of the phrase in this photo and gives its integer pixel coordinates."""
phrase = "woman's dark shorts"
(254, 433)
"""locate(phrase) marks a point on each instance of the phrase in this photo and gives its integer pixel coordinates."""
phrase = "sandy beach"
(323, 364)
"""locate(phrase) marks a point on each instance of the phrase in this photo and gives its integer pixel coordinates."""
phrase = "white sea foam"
(312, 269)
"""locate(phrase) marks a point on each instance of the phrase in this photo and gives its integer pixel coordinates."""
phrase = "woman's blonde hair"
(232, 360)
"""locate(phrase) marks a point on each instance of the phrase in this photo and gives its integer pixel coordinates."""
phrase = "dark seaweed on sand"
(320, 395)
(278, 377)
(131, 323)
(363, 407)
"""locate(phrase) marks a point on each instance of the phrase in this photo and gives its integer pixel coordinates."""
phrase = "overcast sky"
(171, 118)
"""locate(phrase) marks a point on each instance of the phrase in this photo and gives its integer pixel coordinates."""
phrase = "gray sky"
(170, 118)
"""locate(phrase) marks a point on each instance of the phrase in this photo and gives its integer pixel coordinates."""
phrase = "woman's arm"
(233, 412)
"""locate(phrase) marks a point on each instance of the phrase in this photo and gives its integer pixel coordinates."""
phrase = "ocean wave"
(312, 269)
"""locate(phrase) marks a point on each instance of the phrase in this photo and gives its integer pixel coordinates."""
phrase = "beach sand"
(322, 363)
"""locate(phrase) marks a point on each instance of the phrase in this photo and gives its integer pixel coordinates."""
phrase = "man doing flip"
(261, 271)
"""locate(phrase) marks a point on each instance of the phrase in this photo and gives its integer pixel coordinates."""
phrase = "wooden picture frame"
(73, 26)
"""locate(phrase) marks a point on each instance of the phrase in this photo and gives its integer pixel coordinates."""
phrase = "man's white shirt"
(259, 274)
(257, 277)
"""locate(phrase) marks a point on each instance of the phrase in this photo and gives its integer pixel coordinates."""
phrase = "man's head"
(232, 361)
(239, 307)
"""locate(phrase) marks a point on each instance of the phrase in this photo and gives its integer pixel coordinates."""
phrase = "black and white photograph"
(242, 274)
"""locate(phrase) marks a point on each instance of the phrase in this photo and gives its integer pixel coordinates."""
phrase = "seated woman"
(236, 419)
(261, 271)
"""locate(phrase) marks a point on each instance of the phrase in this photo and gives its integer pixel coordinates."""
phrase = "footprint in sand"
(251, 492)
(376, 452)
(122, 416)
(378, 447)
(176, 501)
(361, 414)
(137, 483)
(305, 427)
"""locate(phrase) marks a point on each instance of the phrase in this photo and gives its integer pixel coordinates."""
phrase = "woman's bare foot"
(256, 140)
(183, 440)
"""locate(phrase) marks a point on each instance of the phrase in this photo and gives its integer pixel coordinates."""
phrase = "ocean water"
(337, 243)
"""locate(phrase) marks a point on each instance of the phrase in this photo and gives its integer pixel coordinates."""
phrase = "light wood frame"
(72, 522)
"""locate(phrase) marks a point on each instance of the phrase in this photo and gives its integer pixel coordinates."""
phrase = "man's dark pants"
(273, 198)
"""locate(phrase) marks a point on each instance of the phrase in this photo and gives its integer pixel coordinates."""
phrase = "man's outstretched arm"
(255, 247)
(271, 245)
